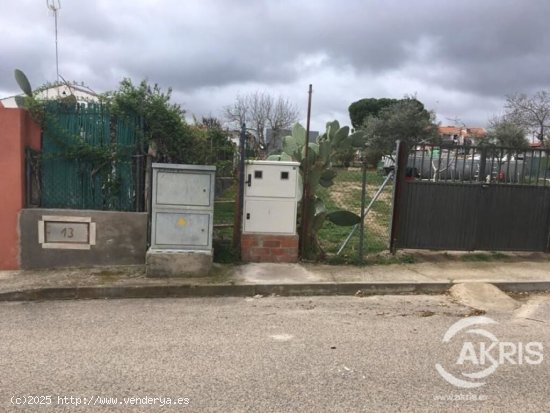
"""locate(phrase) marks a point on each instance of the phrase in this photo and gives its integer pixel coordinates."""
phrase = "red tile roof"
(455, 130)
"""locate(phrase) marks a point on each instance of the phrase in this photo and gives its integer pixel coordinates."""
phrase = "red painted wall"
(17, 130)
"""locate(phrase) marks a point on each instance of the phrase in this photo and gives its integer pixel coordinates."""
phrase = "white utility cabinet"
(182, 207)
(271, 196)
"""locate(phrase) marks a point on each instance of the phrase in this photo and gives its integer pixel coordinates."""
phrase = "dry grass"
(346, 194)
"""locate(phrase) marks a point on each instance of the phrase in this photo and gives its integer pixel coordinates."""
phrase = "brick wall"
(269, 248)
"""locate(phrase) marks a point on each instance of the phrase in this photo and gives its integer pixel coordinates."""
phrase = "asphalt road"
(321, 354)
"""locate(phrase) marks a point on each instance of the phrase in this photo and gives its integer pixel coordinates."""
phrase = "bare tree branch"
(260, 110)
(530, 112)
(236, 114)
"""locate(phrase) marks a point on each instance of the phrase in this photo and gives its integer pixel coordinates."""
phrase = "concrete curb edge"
(249, 290)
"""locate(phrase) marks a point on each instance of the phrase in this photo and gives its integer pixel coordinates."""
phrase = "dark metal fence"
(32, 178)
(487, 164)
(472, 198)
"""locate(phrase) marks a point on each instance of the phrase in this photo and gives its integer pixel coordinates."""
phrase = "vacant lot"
(346, 194)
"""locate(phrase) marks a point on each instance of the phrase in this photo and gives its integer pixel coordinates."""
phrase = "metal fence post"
(482, 165)
(237, 227)
(399, 178)
(148, 191)
(363, 196)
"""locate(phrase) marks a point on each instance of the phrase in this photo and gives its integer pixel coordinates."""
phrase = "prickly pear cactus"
(320, 173)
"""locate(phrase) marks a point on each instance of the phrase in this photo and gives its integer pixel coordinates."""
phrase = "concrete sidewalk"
(435, 275)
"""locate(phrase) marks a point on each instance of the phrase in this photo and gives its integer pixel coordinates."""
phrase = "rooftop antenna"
(54, 6)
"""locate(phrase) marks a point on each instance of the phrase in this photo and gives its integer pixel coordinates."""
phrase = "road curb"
(249, 290)
(523, 286)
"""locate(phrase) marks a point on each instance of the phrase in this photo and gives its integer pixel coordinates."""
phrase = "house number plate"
(73, 232)
(66, 232)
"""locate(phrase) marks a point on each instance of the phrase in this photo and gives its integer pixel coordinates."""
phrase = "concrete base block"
(178, 263)
(121, 239)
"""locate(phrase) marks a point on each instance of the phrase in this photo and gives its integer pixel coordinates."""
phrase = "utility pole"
(305, 194)
(55, 6)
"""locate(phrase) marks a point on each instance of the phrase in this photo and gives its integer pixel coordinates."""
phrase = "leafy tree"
(211, 123)
(164, 124)
(362, 109)
(406, 120)
(373, 156)
(218, 149)
(530, 112)
(259, 111)
(507, 133)
(165, 128)
(344, 157)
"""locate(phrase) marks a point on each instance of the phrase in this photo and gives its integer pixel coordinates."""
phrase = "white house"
(82, 93)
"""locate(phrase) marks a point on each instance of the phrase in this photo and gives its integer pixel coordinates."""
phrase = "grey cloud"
(483, 49)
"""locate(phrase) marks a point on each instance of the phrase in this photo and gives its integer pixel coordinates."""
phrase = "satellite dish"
(23, 82)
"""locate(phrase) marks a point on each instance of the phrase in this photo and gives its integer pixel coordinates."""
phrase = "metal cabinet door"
(183, 230)
(269, 215)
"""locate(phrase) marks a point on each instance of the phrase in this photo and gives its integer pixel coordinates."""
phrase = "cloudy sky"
(460, 58)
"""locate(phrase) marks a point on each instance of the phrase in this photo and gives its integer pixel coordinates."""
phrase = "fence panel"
(345, 194)
(90, 159)
(474, 198)
(439, 216)
(515, 218)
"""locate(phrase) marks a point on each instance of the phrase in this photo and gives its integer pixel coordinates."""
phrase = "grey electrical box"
(182, 207)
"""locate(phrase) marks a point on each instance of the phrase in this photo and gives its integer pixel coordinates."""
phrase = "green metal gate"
(91, 159)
